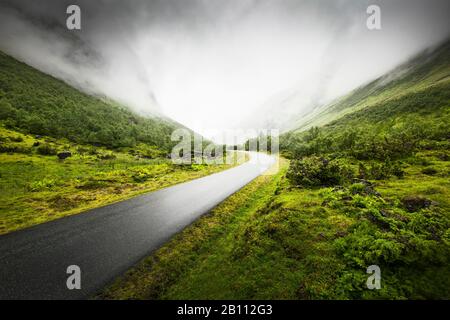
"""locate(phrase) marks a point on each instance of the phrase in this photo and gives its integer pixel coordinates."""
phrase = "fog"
(211, 64)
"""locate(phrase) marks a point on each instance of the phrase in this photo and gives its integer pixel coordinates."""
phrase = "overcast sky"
(208, 63)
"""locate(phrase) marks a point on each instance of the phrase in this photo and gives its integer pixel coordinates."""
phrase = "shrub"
(143, 174)
(46, 150)
(415, 203)
(317, 171)
(82, 150)
(16, 139)
(429, 171)
(379, 171)
(140, 176)
(106, 156)
(443, 156)
(397, 170)
(41, 185)
(7, 110)
(363, 188)
(93, 151)
(11, 148)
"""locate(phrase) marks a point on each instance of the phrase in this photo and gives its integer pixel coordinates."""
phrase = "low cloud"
(209, 64)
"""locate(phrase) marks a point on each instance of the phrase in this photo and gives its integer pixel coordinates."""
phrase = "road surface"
(106, 241)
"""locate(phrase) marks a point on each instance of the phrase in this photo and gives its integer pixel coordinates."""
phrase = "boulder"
(415, 203)
(64, 155)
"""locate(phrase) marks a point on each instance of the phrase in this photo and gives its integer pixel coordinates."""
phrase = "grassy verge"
(273, 240)
(35, 186)
(156, 274)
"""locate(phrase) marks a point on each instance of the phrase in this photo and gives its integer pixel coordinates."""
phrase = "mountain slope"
(429, 68)
(63, 151)
(34, 102)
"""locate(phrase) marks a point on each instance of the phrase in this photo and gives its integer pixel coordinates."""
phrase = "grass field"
(272, 240)
(36, 188)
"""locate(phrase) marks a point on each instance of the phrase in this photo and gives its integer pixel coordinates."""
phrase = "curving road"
(106, 241)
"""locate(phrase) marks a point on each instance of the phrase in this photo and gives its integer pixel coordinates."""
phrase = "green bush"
(140, 176)
(429, 171)
(41, 185)
(46, 150)
(318, 171)
(16, 139)
(13, 148)
(380, 170)
(6, 110)
(397, 170)
(106, 156)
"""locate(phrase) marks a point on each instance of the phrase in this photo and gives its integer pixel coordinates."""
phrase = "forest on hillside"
(37, 103)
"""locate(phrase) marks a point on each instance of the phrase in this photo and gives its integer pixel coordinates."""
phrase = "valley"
(114, 153)
(363, 181)
(368, 184)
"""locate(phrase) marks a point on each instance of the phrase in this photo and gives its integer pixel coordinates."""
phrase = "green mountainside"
(36, 103)
(418, 76)
(397, 115)
(63, 152)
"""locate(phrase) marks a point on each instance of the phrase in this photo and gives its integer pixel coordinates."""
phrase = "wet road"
(105, 242)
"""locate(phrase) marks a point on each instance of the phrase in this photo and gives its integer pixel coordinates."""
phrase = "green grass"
(117, 154)
(284, 236)
(382, 152)
(275, 241)
(37, 188)
(203, 241)
(435, 187)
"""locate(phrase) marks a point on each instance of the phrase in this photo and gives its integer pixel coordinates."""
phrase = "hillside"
(427, 69)
(404, 109)
(109, 153)
(36, 103)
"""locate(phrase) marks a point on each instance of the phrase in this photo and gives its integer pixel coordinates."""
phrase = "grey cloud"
(215, 60)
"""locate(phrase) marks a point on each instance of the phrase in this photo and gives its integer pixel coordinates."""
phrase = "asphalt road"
(105, 242)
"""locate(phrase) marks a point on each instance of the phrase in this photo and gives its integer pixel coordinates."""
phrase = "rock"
(37, 136)
(415, 203)
(64, 155)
